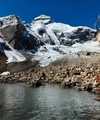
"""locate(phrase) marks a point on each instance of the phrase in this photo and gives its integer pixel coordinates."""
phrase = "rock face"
(13, 32)
(10, 30)
(82, 35)
(3, 59)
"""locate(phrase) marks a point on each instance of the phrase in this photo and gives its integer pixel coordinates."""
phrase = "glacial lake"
(49, 102)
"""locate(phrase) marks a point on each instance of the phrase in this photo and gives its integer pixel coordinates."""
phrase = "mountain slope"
(44, 40)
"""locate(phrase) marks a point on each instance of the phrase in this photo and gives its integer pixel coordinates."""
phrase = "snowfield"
(45, 29)
(45, 57)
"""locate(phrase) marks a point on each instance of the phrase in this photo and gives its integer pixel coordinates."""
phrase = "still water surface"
(48, 102)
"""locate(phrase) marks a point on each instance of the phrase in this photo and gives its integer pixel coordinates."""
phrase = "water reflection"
(46, 103)
(13, 96)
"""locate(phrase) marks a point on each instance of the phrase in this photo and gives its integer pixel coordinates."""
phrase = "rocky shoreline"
(80, 76)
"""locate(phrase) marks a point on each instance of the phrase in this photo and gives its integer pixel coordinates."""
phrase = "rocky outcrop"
(13, 32)
(82, 35)
(79, 35)
(3, 60)
(11, 29)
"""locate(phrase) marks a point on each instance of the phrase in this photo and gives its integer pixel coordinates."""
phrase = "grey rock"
(14, 33)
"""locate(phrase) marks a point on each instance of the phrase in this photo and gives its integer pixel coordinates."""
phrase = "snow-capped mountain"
(44, 39)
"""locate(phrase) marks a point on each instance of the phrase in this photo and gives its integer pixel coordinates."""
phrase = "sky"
(72, 12)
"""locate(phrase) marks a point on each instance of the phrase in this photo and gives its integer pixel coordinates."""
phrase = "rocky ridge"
(14, 33)
(20, 35)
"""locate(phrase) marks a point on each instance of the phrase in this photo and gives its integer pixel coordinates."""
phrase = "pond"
(49, 102)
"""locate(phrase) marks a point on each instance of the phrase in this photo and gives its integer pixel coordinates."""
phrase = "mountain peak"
(9, 20)
(43, 18)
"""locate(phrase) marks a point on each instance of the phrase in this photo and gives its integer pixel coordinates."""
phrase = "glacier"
(55, 40)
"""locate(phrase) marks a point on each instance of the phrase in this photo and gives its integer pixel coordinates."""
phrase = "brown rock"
(97, 98)
(98, 78)
(83, 74)
(75, 72)
(97, 90)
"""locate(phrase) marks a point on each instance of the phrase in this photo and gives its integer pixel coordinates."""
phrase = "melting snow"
(14, 56)
(5, 73)
(46, 54)
(1, 40)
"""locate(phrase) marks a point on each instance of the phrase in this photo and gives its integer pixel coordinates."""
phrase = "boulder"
(98, 78)
(97, 90)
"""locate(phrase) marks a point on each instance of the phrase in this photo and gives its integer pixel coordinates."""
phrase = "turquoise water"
(48, 102)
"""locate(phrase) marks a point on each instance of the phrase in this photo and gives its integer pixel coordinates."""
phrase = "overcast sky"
(72, 12)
